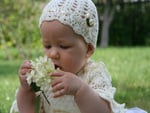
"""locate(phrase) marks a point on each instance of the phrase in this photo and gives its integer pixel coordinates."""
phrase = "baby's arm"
(25, 96)
(25, 101)
(87, 99)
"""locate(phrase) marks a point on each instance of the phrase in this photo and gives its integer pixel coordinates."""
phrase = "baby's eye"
(64, 46)
(47, 46)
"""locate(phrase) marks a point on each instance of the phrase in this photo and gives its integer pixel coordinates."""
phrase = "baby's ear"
(90, 50)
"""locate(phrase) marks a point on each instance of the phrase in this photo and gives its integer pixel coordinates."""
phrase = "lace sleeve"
(14, 107)
(100, 80)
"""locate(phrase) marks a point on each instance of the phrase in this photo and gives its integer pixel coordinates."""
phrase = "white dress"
(97, 76)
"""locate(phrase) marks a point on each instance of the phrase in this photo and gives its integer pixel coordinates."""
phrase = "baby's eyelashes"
(64, 47)
(48, 46)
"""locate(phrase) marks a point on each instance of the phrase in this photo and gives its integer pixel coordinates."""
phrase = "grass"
(8, 84)
(127, 66)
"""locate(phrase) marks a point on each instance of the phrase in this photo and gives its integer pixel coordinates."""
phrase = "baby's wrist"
(25, 89)
(83, 87)
(26, 100)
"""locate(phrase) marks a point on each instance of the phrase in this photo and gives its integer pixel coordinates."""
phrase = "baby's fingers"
(24, 71)
(57, 87)
(57, 73)
(26, 67)
(59, 93)
(26, 64)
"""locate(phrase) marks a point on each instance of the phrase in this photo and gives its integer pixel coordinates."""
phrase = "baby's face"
(67, 50)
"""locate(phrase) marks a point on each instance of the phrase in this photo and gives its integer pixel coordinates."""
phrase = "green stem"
(46, 98)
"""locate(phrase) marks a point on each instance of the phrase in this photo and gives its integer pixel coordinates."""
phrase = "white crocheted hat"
(81, 15)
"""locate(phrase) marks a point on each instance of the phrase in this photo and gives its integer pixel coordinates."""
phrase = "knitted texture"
(80, 15)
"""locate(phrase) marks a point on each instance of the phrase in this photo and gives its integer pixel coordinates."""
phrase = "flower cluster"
(38, 78)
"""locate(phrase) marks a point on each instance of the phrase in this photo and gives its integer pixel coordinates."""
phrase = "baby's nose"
(53, 53)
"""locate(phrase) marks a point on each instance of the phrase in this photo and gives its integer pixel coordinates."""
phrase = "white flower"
(41, 67)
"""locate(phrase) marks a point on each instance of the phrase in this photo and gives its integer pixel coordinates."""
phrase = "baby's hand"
(65, 83)
(25, 68)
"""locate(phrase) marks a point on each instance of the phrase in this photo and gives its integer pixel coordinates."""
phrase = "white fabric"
(14, 108)
(80, 15)
(136, 110)
(100, 80)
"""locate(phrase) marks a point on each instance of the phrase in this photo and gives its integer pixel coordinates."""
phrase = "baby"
(69, 30)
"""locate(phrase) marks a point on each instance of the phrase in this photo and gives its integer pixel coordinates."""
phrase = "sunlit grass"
(129, 68)
(7, 91)
(8, 84)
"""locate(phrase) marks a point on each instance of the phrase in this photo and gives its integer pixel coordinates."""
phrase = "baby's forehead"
(57, 29)
(56, 25)
(80, 15)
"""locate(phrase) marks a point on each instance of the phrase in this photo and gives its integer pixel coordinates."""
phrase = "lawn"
(127, 66)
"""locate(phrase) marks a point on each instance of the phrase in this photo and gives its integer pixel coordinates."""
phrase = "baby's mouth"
(57, 67)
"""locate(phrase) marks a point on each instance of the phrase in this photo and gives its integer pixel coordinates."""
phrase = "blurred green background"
(127, 55)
